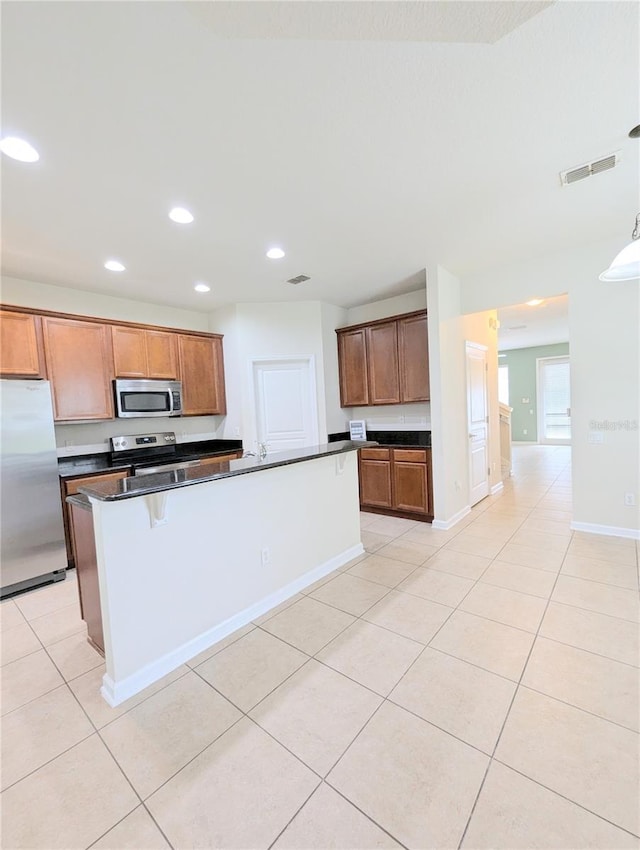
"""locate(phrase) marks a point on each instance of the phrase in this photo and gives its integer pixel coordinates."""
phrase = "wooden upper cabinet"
(79, 357)
(162, 355)
(384, 362)
(352, 364)
(129, 352)
(202, 375)
(21, 351)
(382, 353)
(413, 358)
(139, 353)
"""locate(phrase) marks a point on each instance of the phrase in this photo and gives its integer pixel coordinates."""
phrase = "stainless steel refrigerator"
(32, 547)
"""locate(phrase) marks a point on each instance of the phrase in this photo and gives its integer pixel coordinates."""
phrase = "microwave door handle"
(170, 402)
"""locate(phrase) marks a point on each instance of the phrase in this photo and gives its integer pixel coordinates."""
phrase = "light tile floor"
(473, 688)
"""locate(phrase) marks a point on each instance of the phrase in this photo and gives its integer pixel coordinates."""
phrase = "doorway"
(285, 403)
(477, 421)
(554, 401)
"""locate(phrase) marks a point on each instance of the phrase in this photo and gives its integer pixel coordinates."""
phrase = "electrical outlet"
(630, 500)
(525, 401)
(266, 556)
(531, 411)
(525, 432)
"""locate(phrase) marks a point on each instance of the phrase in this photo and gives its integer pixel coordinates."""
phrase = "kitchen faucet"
(262, 452)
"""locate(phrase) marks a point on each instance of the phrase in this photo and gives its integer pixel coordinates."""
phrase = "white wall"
(604, 331)
(267, 331)
(448, 332)
(43, 296)
(332, 318)
(407, 303)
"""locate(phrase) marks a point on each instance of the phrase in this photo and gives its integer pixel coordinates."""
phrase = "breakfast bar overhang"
(187, 557)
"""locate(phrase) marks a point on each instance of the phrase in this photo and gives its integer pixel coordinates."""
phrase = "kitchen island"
(185, 558)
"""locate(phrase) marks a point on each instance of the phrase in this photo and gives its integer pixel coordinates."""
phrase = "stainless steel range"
(149, 453)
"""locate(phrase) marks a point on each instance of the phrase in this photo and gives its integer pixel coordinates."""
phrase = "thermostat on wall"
(358, 429)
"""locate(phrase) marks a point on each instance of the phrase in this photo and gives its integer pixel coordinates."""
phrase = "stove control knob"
(169, 438)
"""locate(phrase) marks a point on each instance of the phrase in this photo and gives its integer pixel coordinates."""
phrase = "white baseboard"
(610, 530)
(117, 692)
(496, 488)
(446, 524)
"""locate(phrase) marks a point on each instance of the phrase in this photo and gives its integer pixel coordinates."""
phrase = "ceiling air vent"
(589, 168)
(299, 279)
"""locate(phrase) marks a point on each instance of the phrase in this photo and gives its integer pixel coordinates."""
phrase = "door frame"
(542, 440)
(310, 361)
(477, 346)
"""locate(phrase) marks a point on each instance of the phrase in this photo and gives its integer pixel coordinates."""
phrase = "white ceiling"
(366, 159)
(522, 326)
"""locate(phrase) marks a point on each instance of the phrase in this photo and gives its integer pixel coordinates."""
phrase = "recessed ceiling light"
(534, 302)
(19, 149)
(275, 253)
(202, 287)
(114, 266)
(180, 215)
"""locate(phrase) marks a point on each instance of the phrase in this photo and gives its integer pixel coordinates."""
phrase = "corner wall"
(449, 330)
(604, 334)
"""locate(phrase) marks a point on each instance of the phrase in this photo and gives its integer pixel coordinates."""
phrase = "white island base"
(183, 568)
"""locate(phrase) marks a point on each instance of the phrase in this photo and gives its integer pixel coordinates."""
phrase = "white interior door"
(286, 408)
(477, 421)
(554, 401)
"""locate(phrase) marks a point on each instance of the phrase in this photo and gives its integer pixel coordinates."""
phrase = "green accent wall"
(522, 384)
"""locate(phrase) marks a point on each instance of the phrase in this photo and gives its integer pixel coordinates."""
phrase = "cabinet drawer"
(375, 454)
(410, 455)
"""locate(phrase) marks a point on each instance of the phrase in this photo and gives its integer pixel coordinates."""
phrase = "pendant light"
(626, 266)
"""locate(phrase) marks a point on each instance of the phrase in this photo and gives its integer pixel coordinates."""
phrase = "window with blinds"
(554, 400)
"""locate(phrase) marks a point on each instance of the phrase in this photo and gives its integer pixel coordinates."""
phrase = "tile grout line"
(508, 712)
(563, 797)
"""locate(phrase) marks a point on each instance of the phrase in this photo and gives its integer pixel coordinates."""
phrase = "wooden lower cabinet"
(212, 461)
(396, 482)
(375, 478)
(69, 487)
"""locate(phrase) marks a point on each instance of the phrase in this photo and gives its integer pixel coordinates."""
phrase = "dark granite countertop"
(94, 464)
(128, 488)
(393, 439)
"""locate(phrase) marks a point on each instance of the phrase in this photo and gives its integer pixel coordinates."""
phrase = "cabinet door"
(382, 354)
(213, 461)
(69, 488)
(352, 364)
(375, 483)
(202, 375)
(414, 359)
(79, 362)
(162, 358)
(129, 352)
(21, 352)
(410, 487)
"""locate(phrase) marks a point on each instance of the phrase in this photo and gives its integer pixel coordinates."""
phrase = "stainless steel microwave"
(138, 398)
